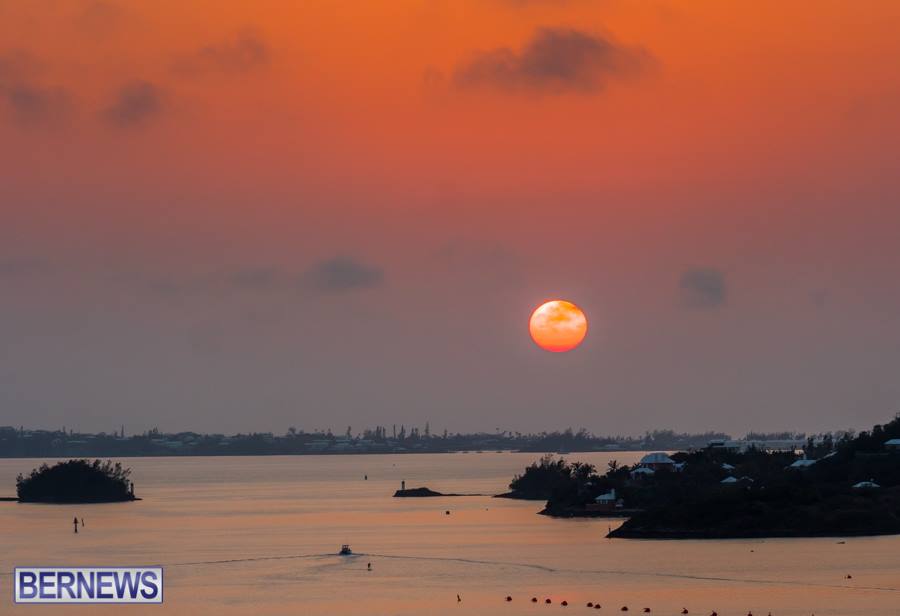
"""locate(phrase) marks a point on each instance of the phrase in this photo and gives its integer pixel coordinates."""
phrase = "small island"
(423, 492)
(77, 481)
(845, 486)
(417, 492)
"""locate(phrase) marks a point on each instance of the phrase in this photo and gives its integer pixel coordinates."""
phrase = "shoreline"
(672, 535)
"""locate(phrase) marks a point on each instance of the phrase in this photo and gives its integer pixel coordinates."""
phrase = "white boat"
(345, 550)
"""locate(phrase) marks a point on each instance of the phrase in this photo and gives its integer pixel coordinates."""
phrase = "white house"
(893, 444)
(642, 472)
(657, 461)
(727, 467)
(801, 464)
(606, 499)
(866, 485)
(733, 480)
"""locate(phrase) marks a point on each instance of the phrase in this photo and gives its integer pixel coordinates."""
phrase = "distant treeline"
(22, 443)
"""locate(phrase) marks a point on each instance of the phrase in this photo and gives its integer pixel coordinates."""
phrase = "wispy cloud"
(703, 287)
(29, 102)
(242, 52)
(343, 274)
(135, 104)
(555, 61)
(331, 275)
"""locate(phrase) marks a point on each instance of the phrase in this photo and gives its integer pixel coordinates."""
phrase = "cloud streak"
(340, 274)
(29, 103)
(554, 61)
(135, 104)
(702, 287)
(241, 53)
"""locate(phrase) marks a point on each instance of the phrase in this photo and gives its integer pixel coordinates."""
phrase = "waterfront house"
(642, 472)
(657, 461)
(801, 464)
(866, 485)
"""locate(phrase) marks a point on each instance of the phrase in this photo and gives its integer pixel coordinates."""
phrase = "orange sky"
(172, 168)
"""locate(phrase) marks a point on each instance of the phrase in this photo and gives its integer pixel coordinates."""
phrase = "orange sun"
(558, 326)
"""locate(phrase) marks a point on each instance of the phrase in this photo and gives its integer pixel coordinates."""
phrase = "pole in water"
(369, 567)
(75, 521)
(458, 598)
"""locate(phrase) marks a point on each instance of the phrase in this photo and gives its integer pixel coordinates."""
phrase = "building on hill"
(606, 502)
(801, 464)
(743, 445)
(657, 461)
(642, 472)
(866, 485)
(893, 444)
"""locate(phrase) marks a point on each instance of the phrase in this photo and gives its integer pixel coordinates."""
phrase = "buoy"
(548, 601)
(849, 577)
(684, 611)
(590, 604)
(534, 599)
(596, 606)
(508, 598)
(624, 608)
(564, 603)
(447, 512)
(646, 610)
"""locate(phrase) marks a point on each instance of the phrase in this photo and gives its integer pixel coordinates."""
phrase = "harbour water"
(259, 536)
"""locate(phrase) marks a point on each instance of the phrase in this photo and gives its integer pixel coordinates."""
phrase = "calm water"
(258, 535)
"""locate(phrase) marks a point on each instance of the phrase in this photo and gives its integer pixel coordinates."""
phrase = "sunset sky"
(227, 216)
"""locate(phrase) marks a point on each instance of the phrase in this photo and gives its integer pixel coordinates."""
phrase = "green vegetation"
(762, 495)
(76, 481)
(549, 478)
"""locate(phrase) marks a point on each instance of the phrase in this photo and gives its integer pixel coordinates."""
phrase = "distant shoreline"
(39, 443)
(679, 535)
(185, 454)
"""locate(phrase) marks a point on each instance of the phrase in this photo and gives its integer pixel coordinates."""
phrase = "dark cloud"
(554, 61)
(28, 102)
(135, 104)
(343, 274)
(34, 105)
(243, 52)
(703, 287)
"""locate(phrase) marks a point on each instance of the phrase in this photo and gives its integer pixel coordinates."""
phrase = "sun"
(558, 326)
